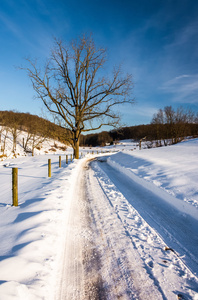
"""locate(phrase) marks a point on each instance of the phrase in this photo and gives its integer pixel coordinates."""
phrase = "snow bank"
(170, 172)
(32, 234)
(152, 227)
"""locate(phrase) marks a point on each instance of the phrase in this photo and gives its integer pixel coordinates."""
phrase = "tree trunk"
(76, 149)
(33, 146)
(14, 143)
(4, 143)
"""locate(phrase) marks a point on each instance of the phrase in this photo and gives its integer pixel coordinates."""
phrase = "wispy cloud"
(10, 25)
(139, 109)
(184, 88)
(146, 111)
(39, 44)
(185, 34)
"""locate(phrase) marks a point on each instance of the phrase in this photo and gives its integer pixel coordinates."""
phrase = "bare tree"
(173, 124)
(11, 121)
(4, 134)
(34, 135)
(14, 127)
(3, 131)
(158, 120)
(71, 87)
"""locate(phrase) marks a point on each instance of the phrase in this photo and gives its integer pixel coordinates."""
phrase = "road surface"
(120, 244)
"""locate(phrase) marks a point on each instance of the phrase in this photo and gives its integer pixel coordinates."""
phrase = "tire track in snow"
(122, 271)
(72, 274)
(104, 251)
(166, 269)
(80, 277)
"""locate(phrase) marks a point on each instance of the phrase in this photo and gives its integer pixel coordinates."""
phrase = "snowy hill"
(42, 145)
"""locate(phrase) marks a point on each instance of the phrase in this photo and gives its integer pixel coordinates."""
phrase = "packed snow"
(144, 203)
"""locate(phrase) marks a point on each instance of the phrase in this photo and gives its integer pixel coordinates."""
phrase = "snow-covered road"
(117, 232)
(100, 261)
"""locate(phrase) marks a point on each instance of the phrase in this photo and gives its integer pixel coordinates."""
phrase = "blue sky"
(155, 40)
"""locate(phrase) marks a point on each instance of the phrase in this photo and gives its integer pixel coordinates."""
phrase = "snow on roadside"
(166, 268)
(173, 169)
(119, 266)
(171, 173)
(32, 234)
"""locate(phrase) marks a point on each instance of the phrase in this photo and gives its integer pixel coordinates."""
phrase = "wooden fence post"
(15, 186)
(49, 168)
(66, 159)
(59, 161)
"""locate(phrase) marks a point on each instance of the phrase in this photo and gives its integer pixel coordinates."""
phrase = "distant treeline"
(150, 131)
(167, 124)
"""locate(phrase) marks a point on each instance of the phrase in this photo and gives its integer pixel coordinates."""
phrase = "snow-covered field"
(143, 207)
